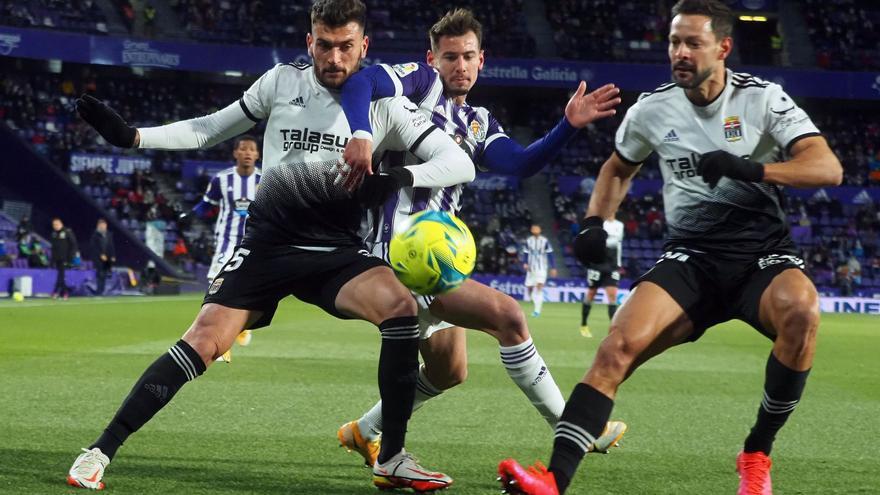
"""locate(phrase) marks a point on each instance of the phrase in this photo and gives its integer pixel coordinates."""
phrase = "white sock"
(538, 298)
(528, 370)
(370, 423)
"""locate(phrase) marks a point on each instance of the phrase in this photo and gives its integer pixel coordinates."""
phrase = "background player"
(232, 190)
(302, 234)
(441, 87)
(728, 253)
(605, 274)
(538, 261)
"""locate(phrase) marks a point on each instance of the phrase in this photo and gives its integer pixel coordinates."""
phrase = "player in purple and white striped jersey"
(232, 190)
(440, 88)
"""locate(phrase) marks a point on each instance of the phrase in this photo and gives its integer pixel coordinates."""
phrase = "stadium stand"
(608, 30)
(394, 25)
(66, 15)
(843, 33)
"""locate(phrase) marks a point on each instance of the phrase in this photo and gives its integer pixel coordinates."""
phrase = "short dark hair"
(456, 22)
(338, 13)
(719, 13)
(245, 137)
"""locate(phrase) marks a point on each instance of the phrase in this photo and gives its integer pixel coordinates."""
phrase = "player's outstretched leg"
(474, 305)
(212, 332)
(635, 336)
(364, 435)
(376, 296)
(789, 309)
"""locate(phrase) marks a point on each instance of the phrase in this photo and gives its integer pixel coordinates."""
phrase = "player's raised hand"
(113, 128)
(717, 164)
(584, 108)
(357, 161)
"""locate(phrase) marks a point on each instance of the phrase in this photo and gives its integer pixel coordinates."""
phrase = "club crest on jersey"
(732, 129)
(477, 130)
(215, 287)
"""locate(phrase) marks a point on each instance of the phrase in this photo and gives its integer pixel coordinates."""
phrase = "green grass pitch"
(266, 423)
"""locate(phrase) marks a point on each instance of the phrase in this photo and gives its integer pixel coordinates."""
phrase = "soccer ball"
(433, 253)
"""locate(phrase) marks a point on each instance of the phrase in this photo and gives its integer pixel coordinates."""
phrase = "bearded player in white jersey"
(726, 142)
(441, 87)
(302, 235)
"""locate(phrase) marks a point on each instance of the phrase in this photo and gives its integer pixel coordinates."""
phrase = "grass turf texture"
(266, 423)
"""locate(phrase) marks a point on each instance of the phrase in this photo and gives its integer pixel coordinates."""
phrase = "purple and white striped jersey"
(233, 194)
(472, 128)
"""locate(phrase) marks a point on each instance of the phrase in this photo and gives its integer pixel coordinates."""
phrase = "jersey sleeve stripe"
(421, 138)
(626, 160)
(398, 86)
(246, 111)
(493, 138)
(795, 140)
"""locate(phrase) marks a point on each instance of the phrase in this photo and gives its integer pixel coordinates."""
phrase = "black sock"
(398, 373)
(783, 387)
(612, 308)
(153, 390)
(585, 313)
(583, 420)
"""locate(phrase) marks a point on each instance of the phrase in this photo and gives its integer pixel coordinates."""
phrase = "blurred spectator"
(103, 254)
(149, 20)
(23, 231)
(5, 259)
(64, 250)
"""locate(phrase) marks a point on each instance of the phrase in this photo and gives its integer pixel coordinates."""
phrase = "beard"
(696, 79)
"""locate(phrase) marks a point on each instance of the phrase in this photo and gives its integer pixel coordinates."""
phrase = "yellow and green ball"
(433, 253)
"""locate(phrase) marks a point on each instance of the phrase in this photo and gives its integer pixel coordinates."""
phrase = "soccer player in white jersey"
(604, 274)
(539, 261)
(441, 87)
(232, 190)
(302, 233)
(726, 142)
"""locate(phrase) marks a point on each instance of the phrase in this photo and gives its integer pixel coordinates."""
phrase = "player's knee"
(510, 320)
(455, 375)
(400, 303)
(616, 354)
(204, 340)
(797, 311)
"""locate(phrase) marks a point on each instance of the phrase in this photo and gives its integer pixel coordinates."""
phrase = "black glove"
(113, 128)
(377, 188)
(717, 164)
(589, 245)
(185, 220)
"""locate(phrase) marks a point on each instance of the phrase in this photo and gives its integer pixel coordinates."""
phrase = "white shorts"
(220, 258)
(534, 277)
(428, 323)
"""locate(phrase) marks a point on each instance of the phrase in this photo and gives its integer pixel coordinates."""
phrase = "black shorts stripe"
(246, 111)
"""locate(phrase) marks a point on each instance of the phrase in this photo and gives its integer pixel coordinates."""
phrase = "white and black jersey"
(539, 254)
(297, 202)
(613, 245)
(751, 118)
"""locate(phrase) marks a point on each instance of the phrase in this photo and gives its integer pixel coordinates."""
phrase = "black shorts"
(713, 289)
(256, 277)
(602, 278)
